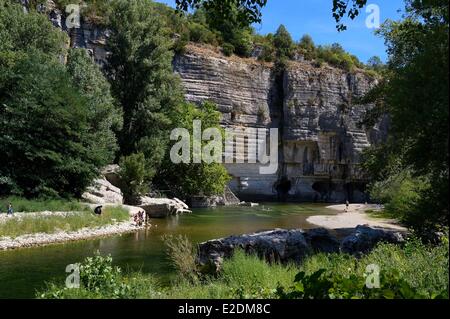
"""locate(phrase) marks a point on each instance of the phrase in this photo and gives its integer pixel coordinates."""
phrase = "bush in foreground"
(411, 271)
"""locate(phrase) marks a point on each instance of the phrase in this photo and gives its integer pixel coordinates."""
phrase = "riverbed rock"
(162, 207)
(102, 191)
(365, 238)
(320, 240)
(279, 245)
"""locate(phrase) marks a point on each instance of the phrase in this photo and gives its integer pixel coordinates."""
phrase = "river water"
(24, 271)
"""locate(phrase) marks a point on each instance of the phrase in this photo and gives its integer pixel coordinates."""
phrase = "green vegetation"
(251, 10)
(13, 227)
(51, 137)
(62, 120)
(410, 169)
(142, 80)
(411, 271)
(203, 178)
(23, 205)
(100, 279)
(133, 174)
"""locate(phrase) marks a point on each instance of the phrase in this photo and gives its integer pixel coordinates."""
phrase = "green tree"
(21, 32)
(250, 10)
(133, 177)
(51, 137)
(105, 117)
(140, 72)
(414, 92)
(186, 180)
(283, 43)
(231, 30)
(375, 63)
(307, 47)
(48, 146)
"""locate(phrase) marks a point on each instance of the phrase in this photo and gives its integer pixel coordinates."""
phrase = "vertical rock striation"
(321, 136)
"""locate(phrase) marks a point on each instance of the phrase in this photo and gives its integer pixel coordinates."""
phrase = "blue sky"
(314, 17)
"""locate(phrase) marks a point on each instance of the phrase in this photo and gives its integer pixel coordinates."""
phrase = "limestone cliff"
(320, 139)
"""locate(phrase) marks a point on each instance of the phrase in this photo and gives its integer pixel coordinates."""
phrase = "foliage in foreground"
(411, 271)
(13, 227)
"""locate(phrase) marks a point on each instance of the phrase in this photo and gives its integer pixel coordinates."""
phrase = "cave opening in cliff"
(324, 188)
(283, 186)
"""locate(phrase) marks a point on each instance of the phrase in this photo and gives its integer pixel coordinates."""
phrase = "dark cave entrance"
(283, 186)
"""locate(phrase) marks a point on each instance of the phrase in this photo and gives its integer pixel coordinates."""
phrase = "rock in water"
(162, 207)
(278, 245)
(364, 238)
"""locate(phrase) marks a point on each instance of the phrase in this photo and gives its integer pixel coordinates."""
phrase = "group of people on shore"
(140, 218)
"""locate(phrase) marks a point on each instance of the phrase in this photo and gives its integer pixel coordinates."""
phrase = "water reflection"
(25, 270)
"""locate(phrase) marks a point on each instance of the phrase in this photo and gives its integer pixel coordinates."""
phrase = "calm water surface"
(24, 271)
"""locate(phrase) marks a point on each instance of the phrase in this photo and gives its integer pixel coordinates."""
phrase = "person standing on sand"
(10, 210)
(347, 204)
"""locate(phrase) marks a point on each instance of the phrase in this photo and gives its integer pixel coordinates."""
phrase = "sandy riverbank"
(41, 239)
(355, 216)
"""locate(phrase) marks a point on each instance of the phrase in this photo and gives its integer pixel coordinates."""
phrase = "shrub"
(228, 49)
(283, 43)
(201, 34)
(72, 221)
(133, 176)
(100, 279)
(182, 254)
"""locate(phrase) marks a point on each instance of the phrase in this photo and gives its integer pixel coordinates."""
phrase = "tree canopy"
(55, 126)
(414, 94)
(142, 79)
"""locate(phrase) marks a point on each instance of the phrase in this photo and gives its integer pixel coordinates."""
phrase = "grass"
(15, 227)
(380, 214)
(24, 205)
(424, 268)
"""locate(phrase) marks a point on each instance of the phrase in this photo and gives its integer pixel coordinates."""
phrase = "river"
(23, 271)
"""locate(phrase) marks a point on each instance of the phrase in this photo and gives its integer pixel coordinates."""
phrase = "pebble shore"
(41, 239)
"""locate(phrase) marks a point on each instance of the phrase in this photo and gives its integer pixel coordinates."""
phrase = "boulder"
(278, 245)
(320, 240)
(364, 238)
(281, 245)
(207, 201)
(111, 174)
(162, 207)
(102, 191)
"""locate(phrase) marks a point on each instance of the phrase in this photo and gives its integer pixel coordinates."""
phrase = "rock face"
(103, 192)
(313, 108)
(111, 174)
(163, 207)
(279, 245)
(364, 239)
(291, 245)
